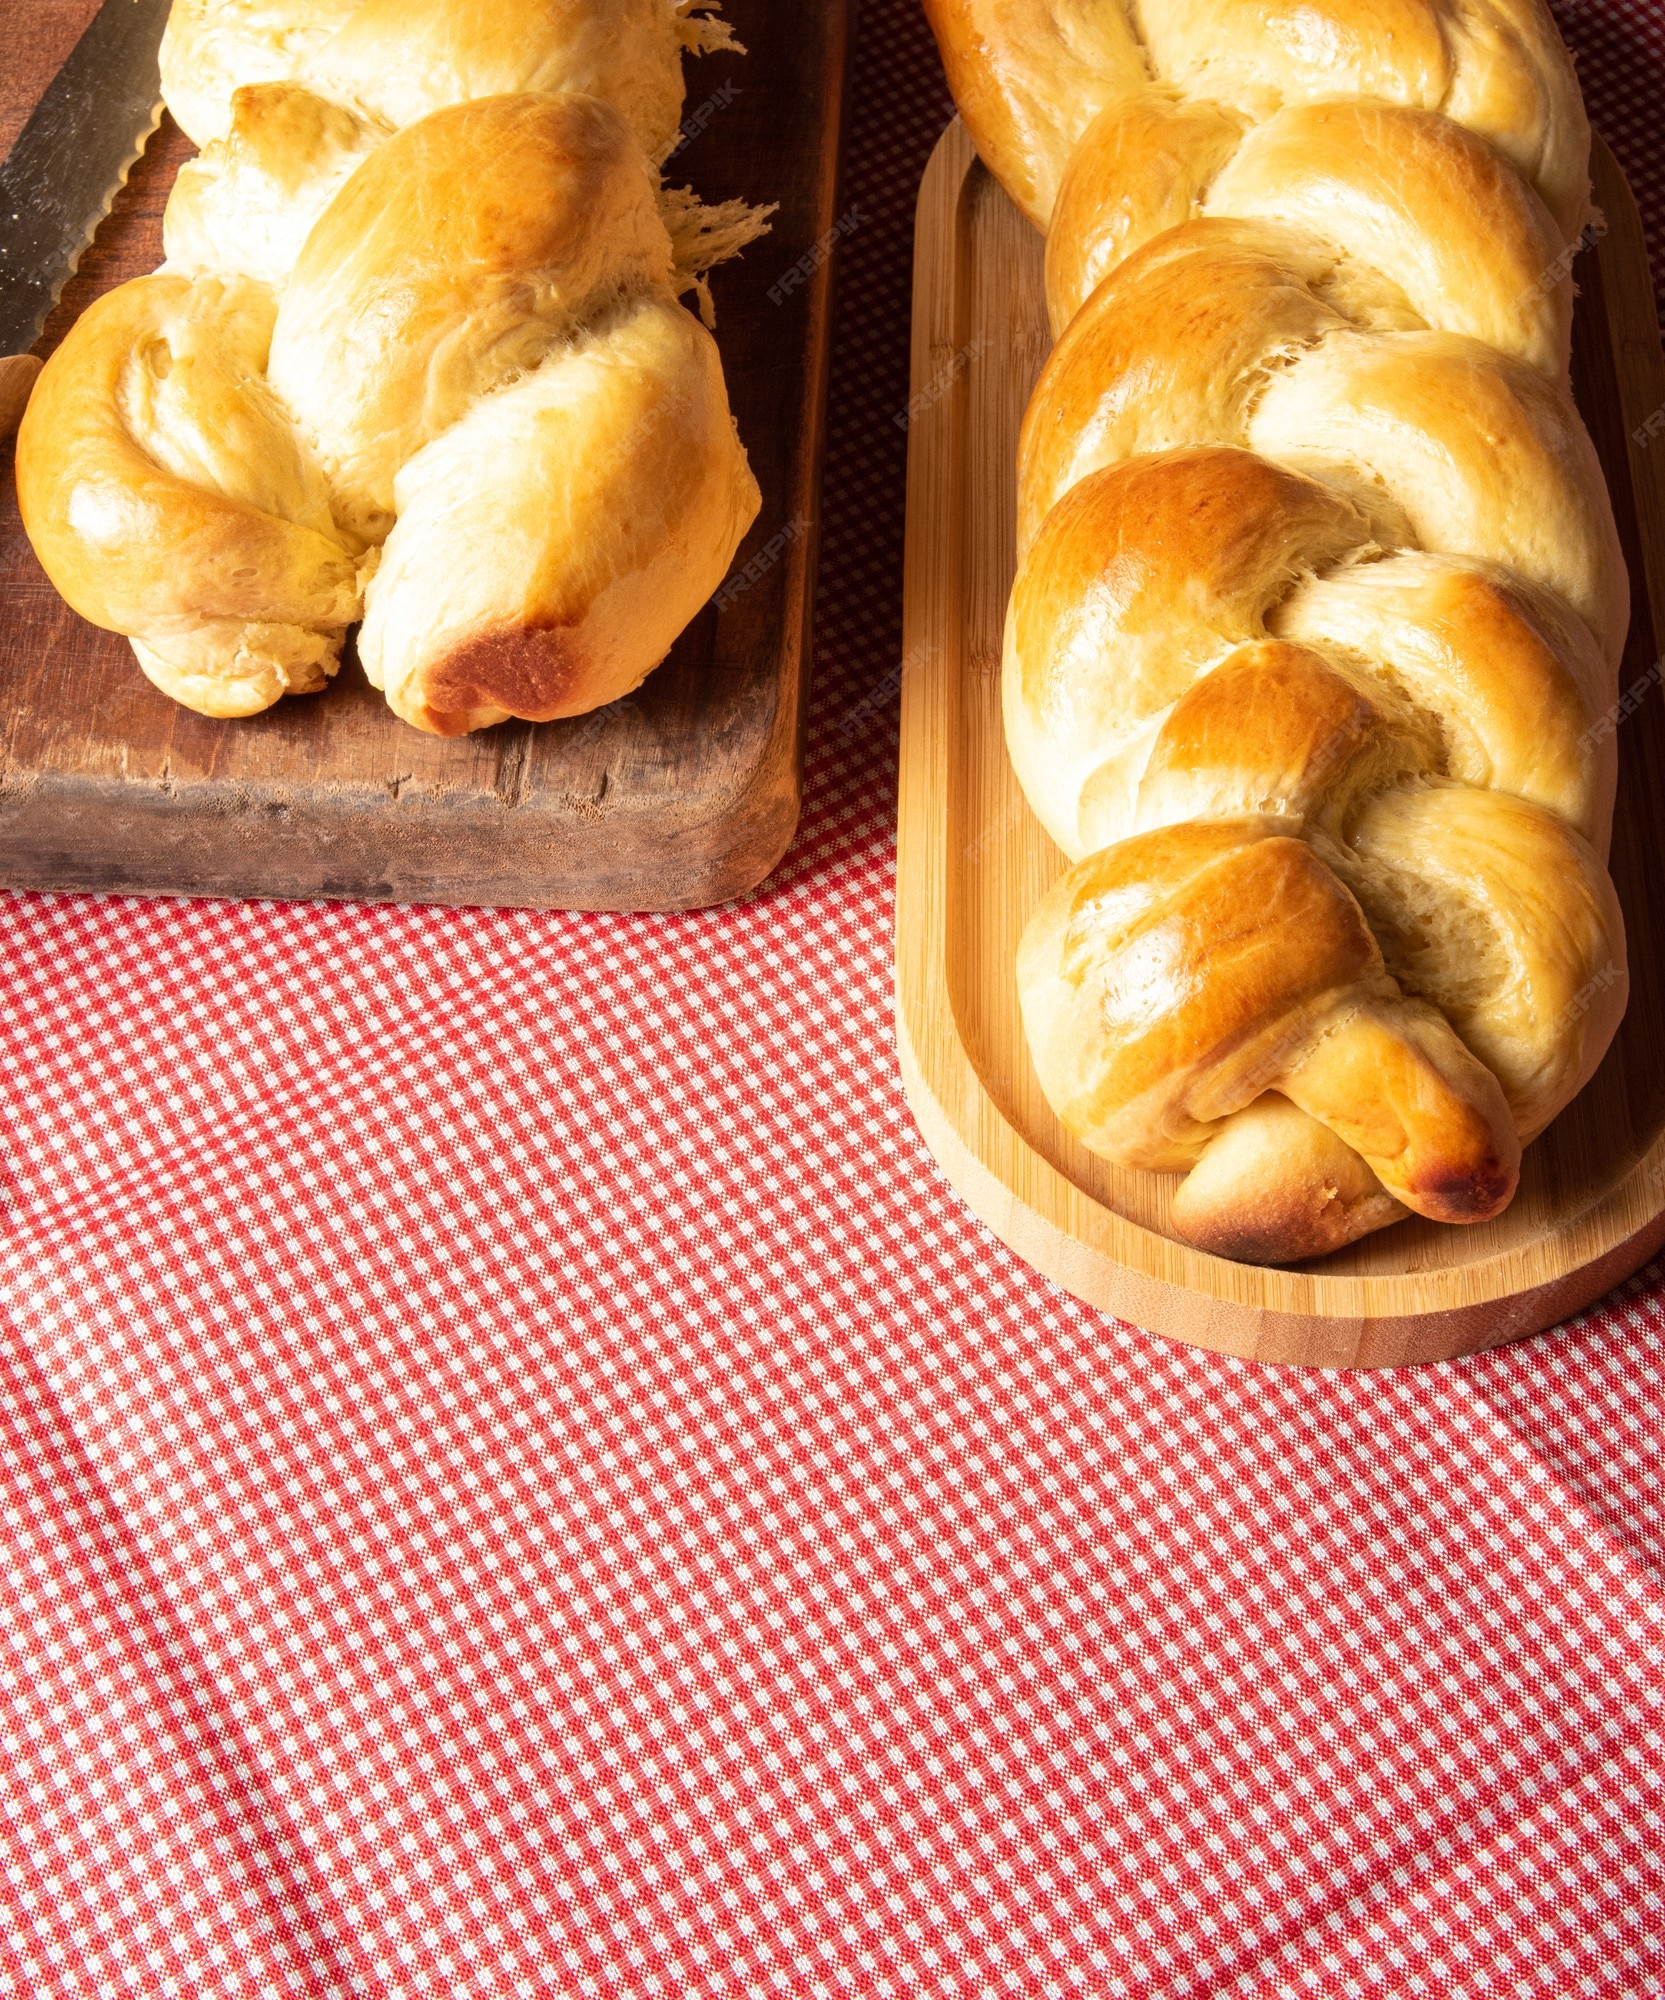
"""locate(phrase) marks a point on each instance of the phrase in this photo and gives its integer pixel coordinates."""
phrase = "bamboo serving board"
(973, 863)
(684, 795)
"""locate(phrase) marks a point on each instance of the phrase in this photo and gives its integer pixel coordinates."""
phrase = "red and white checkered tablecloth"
(521, 1480)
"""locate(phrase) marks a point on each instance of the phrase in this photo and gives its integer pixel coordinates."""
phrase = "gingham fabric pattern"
(520, 1479)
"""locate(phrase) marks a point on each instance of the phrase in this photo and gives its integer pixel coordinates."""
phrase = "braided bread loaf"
(416, 358)
(1320, 599)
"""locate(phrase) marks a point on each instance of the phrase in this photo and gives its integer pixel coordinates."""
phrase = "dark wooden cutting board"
(685, 795)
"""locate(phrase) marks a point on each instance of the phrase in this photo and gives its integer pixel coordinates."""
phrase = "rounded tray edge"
(1205, 1302)
(1289, 1318)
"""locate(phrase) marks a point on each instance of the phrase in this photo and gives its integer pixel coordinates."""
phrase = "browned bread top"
(1320, 598)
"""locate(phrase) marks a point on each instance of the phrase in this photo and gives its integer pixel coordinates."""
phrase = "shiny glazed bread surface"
(1314, 641)
(416, 358)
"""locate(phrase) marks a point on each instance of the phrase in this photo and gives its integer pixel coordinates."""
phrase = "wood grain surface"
(973, 863)
(684, 795)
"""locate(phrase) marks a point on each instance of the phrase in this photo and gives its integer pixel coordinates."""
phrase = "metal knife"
(69, 164)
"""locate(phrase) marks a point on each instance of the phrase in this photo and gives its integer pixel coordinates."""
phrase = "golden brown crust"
(409, 304)
(1454, 448)
(1170, 351)
(1513, 680)
(249, 202)
(1431, 209)
(1500, 914)
(1172, 980)
(1426, 1117)
(1276, 1187)
(1141, 577)
(412, 218)
(525, 670)
(1319, 605)
(1141, 167)
(1031, 76)
(209, 50)
(399, 61)
(1278, 729)
(1256, 52)
(1122, 691)
(1420, 202)
(1234, 332)
(167, 496)
(628, 432)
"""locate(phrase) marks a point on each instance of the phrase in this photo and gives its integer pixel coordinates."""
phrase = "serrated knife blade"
(72, 159)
